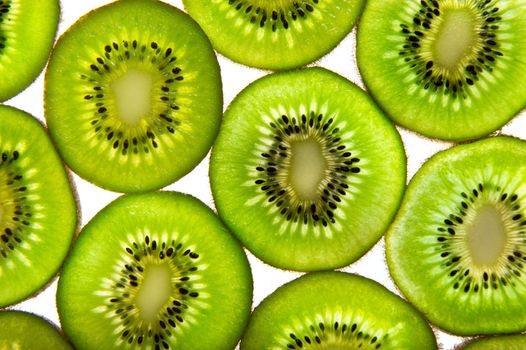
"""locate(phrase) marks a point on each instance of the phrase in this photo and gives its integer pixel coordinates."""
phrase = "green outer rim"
(384, 84)
(317, 43)
(227, 174)
(406, 271)
(63, 99)
(58, 227)
(35, 29)
(29, 332)
(509, 342)
(231, 296)
(341, 291)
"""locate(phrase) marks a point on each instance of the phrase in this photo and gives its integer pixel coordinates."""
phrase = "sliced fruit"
(333, 311)
(27, 33)
(306, 171)
(137, 105)
(456, 248)
(509, 342)
(38, 214)
(275, 34)
(449, 69)
(155, 271)
(24, 331)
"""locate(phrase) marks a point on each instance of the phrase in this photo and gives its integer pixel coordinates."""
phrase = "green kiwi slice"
(456, 248)
(27, 33)
(448, 69)
(336, 311)
(138, 105)
(504, 342)
(37, 209)
(25, 331)
(275, 34)
(306, 170)
(155, 271)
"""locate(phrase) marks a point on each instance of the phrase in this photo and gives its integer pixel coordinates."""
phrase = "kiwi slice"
(155, 271)
(275, 34)
(448, 69)
(306, 170)
(505, 342)
(25, 331)
(37, 209)
(456, 248)
(133, 95)
(27, 33)
(336, 311)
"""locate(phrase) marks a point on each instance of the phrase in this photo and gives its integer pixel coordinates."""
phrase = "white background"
(235, 77)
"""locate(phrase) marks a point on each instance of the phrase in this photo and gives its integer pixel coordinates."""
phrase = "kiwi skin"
(27, 55)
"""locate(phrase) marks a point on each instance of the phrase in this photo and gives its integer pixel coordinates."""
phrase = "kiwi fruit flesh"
(38, 215)
(306, 171)
(27, 33)
(456, 249)
(275, 34)
(449, 69)
(138, 105)
(25, 331)
(503, 342)
(155, 271)
(336, 311)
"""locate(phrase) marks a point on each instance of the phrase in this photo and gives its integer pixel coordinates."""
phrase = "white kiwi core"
(307, 168)
(132, 93)
(154, 291)
(486, 236)
(456, 38)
